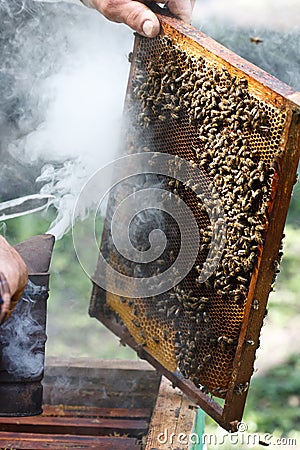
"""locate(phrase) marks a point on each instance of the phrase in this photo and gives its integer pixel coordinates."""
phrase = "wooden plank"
(172, 420)
(27, 441)
(71, 425)
(64, 426)
(95, 364)
(87, 411)
(109, 383)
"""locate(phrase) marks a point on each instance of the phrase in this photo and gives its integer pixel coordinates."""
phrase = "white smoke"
(266, 14)
(72, 91)
(23, 335)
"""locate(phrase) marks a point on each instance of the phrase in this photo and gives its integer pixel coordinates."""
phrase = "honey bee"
(204, 389)
(205, 317)
(143, 334)
(206, 358)
(225, 339)
(220, 391)
(255, 304)
(241, 388)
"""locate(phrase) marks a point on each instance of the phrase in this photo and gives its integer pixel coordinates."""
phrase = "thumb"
(133, 13)
(141, 19)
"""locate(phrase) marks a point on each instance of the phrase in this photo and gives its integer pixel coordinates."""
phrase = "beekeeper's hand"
(13, 278)
(137, 15)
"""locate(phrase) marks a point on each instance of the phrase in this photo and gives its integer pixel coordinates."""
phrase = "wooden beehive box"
(107, 404)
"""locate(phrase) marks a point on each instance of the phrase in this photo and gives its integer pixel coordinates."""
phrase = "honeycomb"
(182, 102)
(147, 333)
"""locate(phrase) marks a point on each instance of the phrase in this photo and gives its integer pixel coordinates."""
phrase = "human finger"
(133, 13)
(5, 296)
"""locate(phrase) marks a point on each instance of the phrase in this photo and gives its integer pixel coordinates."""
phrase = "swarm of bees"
(230, 127)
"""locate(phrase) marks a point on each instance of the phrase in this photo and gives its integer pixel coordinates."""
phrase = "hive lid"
(224, 136)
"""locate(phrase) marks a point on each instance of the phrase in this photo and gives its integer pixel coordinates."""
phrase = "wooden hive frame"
(282, 97)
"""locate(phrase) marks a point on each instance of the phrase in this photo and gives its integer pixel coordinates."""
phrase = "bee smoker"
(23, 335)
